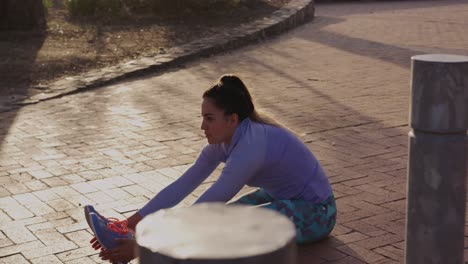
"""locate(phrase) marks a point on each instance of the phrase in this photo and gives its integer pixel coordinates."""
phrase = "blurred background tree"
(127, 7)
(22, 15)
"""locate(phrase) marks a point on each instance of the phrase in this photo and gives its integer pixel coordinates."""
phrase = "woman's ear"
(234, 119)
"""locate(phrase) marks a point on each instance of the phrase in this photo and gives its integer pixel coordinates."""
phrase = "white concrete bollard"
(216, 233)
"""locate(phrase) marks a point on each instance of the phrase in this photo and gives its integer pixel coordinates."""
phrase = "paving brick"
(361, 253)
(96, 259)
(40, 208)
(46, 195)
(346, 189)
(55, 216)
(398, 173)
(50, 236)
(40, 174)
(84, 260)
(73, 227)
(76, 254)
(4, 241)
(60, 205)
(385, 198)
(19, 248)
(31, 168)
(372, 189)
(57, 170)
(6, 162)
(5, 178)
(51, 224)
(137, 190)
(369, 179)
(16, 188)
(4, 192)
(48, 250)
(81, 238)
(365, 228)
(54, 182)
(379, 241)
(26, 198)
(89, 175)
(84, 188)
(345, 260)
(18, 212)
(370, 207)
(35, 185)
(340, 230)
(102, 184)
(99, 197)
(387, 181)
(10, 169)
(308, 258)
(387, 261)
(134, 204)
(397, 227)
(21, 222)
(354, 215)
(17, 259)
(72, 178)
(384, 218)
(21, 177)
(19, 234)
(397, 206)
(118, 194)
(49, 259)
(79, 200)
(391, 252)
(398, 187)
(170, 172)
(352, 237)
(325, 252)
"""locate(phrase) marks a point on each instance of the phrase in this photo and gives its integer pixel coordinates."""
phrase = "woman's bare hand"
(124, 252)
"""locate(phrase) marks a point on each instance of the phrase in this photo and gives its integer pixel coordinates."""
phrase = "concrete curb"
(297, 12)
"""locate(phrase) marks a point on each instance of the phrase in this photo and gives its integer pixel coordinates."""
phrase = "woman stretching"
(257, 152)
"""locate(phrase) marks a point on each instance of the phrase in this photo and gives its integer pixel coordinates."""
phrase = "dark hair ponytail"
(231, 95)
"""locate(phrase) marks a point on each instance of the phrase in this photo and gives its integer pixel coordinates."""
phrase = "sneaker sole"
(87, 211)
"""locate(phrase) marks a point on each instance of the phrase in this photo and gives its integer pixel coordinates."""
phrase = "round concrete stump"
(216, 233)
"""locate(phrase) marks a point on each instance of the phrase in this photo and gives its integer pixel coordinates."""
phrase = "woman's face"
(218, 127)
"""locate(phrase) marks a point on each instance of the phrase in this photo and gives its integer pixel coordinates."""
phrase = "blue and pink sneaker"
(90, 209)
(107, 230)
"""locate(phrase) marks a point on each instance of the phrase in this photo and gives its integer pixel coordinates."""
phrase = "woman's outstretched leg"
(256, 197)
(313, 221)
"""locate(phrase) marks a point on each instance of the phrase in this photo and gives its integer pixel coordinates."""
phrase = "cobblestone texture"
(341, 82)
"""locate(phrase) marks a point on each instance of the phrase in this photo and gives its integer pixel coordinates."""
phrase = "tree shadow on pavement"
(376, 50)
(21, 59)
(345, 39)
(25, 53)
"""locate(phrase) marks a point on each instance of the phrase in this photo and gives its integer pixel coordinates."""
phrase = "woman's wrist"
(134, 220)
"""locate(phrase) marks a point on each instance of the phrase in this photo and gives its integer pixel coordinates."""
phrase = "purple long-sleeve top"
(259, 155)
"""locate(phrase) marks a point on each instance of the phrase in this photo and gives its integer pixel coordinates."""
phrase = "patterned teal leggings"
(313, 221)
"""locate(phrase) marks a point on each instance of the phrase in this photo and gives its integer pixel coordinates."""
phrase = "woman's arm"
(188, 182)
(244, 163)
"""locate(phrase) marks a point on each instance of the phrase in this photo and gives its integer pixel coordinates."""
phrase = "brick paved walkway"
(341, 81)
